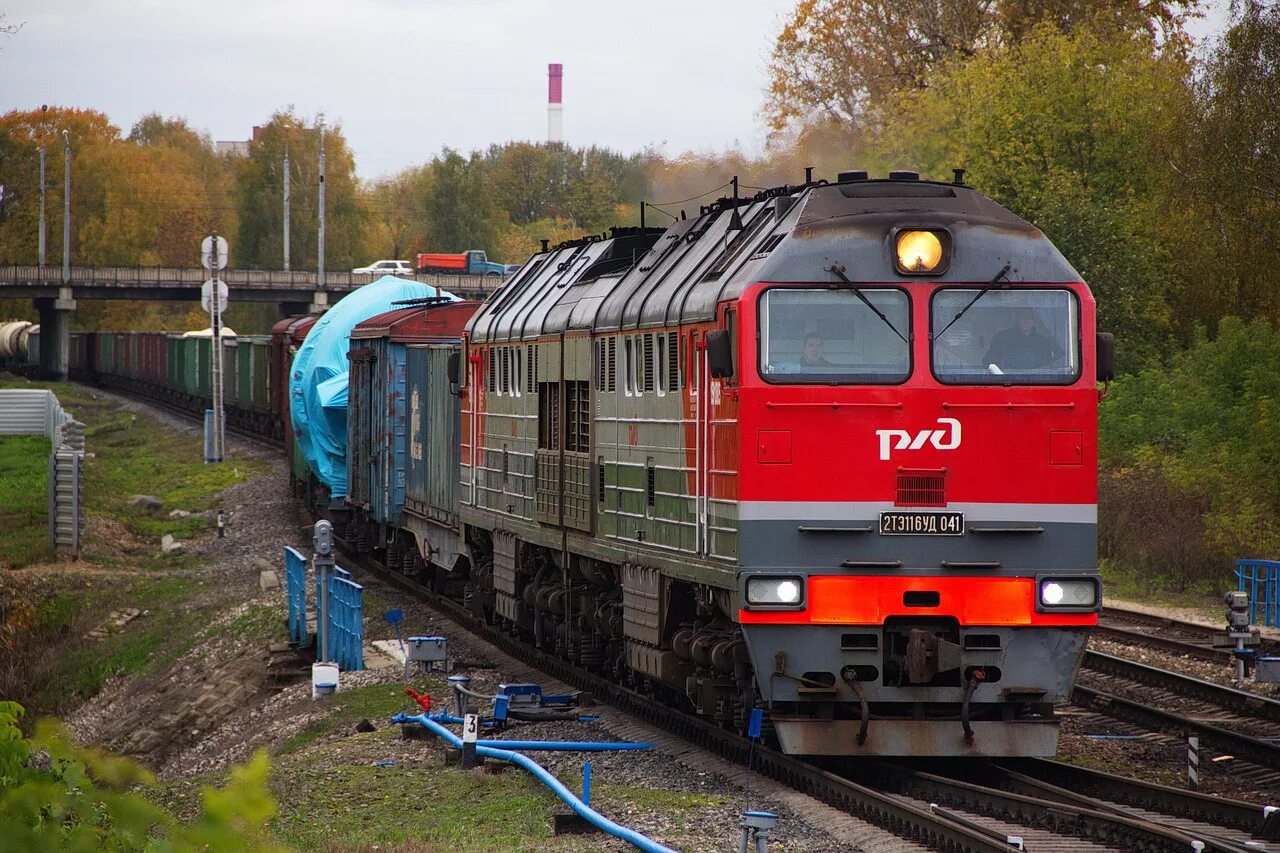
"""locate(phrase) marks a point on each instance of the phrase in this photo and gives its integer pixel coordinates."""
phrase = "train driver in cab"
(811, 358)
(1021, 346)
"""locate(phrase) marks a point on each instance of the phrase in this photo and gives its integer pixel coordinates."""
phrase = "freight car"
(402, 422)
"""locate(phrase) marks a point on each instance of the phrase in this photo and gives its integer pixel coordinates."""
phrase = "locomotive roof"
(791, 234)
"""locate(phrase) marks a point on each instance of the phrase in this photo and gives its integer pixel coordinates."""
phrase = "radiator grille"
(921, 488)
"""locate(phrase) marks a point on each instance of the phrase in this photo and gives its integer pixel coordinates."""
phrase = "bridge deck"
(91, 282)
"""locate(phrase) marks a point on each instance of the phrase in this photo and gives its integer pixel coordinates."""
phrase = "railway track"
(1046, 816)
(1171, 635)
(186, 414)
(931, 809)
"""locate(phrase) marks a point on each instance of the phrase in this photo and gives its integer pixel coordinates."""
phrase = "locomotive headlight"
(921, 252)
(775, 590)
(1069, 592)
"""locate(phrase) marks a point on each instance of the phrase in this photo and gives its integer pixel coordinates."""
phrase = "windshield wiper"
(838, 271)
(1004, 270)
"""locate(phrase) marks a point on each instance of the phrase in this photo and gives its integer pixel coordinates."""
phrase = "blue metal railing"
(346, 621)
(295, 573)
(1261, 580)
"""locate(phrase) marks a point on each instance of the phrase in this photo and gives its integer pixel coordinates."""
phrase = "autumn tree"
(1229, 163)
(260, 198)
(22, 134)
(834, 60)
(458, 204)
(396, 212)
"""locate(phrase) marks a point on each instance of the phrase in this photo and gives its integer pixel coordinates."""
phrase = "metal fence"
(1261, 579)
(346, 621)
(295, 573)
(38, 412)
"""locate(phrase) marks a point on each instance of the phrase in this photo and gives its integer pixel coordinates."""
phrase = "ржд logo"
(906, 441)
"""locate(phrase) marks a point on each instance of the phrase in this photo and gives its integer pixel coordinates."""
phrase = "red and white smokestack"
(555, 117)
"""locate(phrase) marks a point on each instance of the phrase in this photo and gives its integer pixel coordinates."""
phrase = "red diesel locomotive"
(830, 450)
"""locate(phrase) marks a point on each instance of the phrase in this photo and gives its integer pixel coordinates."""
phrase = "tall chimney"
(555, 129)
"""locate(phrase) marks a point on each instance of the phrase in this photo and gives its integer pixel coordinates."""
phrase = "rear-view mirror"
(719, 354)
(1106, 356)
(453, 366)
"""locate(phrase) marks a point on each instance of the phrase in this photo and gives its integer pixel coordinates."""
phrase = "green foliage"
(458, 204)
(57, 796)
(1190, 455)
(24, 505)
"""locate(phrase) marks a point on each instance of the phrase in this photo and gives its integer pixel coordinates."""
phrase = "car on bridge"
(385, 268)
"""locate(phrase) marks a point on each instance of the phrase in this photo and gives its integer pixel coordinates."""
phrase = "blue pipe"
(590, 815)
(564, 745)
(546, 745)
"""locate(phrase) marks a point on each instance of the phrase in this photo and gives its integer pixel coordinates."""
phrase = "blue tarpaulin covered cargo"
(318, 380)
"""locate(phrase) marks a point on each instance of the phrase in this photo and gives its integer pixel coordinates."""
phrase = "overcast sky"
(408, 77)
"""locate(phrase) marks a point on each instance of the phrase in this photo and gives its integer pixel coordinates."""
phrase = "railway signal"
(214, 251)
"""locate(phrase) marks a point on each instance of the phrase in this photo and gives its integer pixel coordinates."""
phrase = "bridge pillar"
(292, 309)
(319, 302)
(55, 334)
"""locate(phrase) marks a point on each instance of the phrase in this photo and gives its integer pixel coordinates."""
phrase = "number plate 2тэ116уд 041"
(921, 524)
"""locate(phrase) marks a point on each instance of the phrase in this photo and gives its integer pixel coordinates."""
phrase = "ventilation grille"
(921, 488)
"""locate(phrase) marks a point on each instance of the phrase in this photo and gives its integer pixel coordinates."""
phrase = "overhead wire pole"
(320, 248)
(42, 229)
(66, 209)
(286, 203)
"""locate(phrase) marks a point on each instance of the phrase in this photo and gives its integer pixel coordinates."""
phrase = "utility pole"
(286, 205)
(320, 250)
(66, 209)
(44, 108)
(42, 206)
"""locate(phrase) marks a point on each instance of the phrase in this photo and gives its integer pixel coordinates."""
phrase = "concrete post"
(55, 335)
(319, 302)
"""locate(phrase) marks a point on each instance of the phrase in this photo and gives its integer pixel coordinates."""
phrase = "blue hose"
(590, 815)
(564, 745)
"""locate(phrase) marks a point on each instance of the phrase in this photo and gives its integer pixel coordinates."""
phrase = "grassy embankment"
(332, 796)
(45, 661)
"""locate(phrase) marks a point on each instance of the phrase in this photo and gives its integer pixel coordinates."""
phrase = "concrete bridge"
(294, 293)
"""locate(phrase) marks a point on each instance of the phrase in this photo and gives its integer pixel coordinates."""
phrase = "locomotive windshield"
(1025, 337)
(832, 336)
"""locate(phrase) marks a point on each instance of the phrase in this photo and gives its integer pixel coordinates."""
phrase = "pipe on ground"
(590, 815)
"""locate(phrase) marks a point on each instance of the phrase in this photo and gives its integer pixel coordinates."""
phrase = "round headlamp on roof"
(921, 251)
